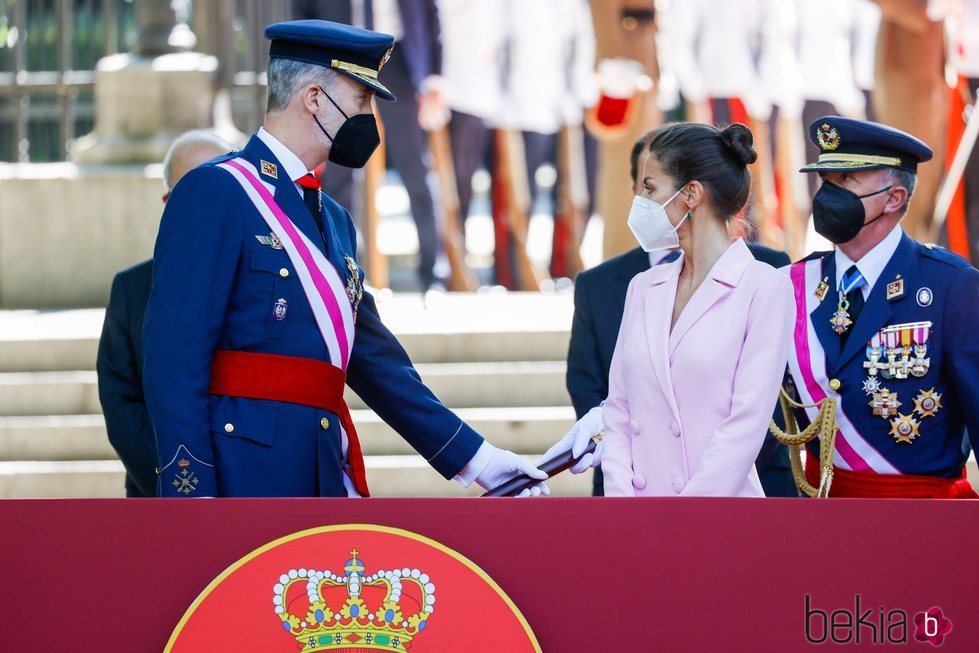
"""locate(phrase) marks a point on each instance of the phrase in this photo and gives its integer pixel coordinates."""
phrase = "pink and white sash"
(322, 284)
(807, 361)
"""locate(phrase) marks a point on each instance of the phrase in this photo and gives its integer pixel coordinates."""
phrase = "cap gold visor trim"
(360, 71)
(860, 159)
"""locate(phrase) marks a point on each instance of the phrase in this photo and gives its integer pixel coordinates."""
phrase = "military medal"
(920, 363)
(890, 340)
(822, 289)
(927, 403)
(355, 287)
(871, 385)
(279, 309)
(885, 403)
(904, 428)
(874, 352)
(841, 319)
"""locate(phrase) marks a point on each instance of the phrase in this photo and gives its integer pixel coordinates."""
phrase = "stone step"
(528, 430)
(389, 476)
(500, 346)
(458, 385)
(437, 328)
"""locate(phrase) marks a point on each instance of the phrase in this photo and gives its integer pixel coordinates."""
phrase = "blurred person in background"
(120, 357)
(414, 75)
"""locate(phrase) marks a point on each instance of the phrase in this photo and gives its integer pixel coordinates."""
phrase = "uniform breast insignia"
(822, 289)
(885, 403)
(355, 285)
(907, 349)
(271, 240)
(895, 289)
(185, 481)
(924, 297)
(279, 309)
(898, 352)
(270, 169)
(927, 403)
(904, 428)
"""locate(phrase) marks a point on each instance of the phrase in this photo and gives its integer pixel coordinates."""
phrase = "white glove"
(504, 465)
(577, 441)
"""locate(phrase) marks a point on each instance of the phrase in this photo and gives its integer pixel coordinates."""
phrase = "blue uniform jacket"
(214, 287)
(950, 301)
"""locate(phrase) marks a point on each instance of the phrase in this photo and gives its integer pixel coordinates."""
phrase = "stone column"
(146, 98)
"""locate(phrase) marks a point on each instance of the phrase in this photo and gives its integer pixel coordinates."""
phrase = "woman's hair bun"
(739, 140)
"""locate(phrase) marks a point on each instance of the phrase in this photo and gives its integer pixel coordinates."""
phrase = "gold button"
(834, 384)
(283, 272)
(324, 423)
(229, 427)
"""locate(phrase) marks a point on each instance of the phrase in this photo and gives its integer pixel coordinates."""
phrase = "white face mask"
(651, 225)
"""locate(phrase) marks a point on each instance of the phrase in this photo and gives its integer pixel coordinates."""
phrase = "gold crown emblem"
(353, 612)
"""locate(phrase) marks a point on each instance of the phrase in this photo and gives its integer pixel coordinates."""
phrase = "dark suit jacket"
(599, 300)
(119, 366)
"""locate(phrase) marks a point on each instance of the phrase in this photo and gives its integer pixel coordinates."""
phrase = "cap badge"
(828, 137)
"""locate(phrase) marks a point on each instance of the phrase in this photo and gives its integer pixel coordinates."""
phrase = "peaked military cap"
(846, 145)
(357, 53)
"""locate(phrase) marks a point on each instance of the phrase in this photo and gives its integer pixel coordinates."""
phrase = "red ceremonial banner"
(589, 574)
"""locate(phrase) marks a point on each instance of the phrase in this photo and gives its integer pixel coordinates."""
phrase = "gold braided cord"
(823, 426)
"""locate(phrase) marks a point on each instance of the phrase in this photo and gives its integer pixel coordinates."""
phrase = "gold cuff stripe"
(354, 68)
(860, 159)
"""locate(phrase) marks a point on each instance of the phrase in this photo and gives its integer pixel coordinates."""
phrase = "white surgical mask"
(651, 225)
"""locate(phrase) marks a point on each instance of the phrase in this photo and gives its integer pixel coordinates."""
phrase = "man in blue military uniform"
(886, 325)
(257, 316)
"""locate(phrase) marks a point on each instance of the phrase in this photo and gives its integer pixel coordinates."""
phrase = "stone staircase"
(495, 358)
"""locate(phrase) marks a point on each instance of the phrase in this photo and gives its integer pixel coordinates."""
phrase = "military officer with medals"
(887, 325)
(258, 317)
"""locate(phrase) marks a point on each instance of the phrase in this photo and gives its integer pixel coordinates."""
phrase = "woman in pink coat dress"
(704, 339)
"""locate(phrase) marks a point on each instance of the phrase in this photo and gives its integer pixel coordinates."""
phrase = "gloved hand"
(504, 465)
(577, 440)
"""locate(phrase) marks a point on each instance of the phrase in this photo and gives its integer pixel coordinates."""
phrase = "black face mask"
(356, 139)
(838, 214)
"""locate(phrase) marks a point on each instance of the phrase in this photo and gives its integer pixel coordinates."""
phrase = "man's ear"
(312, 98)
(897, 198)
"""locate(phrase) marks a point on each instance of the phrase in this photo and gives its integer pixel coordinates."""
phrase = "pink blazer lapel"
(658, 299)
(722, 278)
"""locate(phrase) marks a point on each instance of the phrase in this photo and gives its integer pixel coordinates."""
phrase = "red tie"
(309, 182)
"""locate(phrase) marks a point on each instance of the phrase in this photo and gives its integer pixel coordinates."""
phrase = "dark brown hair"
(717, 158)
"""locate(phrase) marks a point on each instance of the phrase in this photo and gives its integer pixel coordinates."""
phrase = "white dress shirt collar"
(872, 264)
(292, 164)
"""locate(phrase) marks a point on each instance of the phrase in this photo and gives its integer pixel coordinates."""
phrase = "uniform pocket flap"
(252, 419)
(273, 262)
